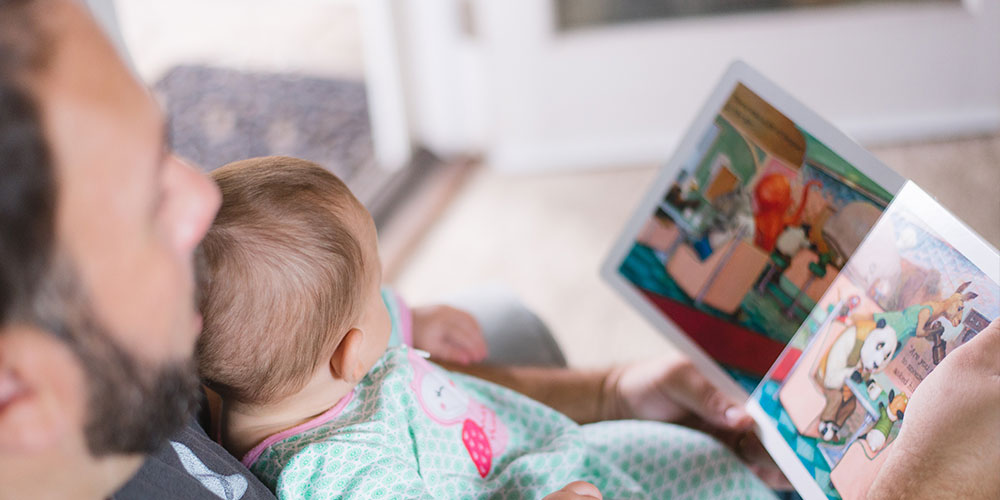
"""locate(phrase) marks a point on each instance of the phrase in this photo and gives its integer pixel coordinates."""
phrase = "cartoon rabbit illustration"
(482, 433)
(926, 320)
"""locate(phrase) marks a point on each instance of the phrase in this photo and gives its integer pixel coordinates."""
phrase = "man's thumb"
(704, 399)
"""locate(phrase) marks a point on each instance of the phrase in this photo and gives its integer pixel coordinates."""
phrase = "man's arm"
(668, 388)
(577, 393)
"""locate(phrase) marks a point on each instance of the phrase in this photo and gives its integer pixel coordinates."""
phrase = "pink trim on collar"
(325, 417)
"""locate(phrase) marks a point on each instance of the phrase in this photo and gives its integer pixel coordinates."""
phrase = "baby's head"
(293, 283)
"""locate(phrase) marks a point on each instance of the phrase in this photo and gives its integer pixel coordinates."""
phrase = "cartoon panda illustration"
(862, 349)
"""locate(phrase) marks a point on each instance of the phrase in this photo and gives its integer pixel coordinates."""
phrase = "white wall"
(532, 99)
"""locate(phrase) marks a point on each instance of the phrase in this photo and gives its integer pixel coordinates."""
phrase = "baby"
(324, 397)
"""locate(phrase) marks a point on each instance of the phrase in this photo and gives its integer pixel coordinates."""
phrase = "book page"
(920, 286)
(747, 228)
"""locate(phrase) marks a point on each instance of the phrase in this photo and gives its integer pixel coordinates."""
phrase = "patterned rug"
(221, 115)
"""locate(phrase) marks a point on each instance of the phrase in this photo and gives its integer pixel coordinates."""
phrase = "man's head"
(98, 228)
(293, 267)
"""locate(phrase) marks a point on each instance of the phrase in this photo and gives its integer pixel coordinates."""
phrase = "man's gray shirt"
(192, 466)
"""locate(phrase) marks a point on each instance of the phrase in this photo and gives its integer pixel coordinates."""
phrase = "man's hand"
(448, 334)
(949, 442)
(671, 389)
(577, 490)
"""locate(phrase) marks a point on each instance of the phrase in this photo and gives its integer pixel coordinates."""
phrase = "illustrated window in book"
(802, 275)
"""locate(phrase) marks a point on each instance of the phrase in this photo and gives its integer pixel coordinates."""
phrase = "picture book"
(792, 266)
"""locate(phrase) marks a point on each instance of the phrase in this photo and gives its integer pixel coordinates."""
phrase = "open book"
(803, 276)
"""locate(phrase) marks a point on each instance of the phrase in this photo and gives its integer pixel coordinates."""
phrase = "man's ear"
(346, 363)
(38, 376)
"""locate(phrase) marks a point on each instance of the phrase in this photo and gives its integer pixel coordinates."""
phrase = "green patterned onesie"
(411, 429)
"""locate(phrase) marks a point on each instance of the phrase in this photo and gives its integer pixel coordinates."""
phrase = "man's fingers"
(733, 415)
(771, 476)
(979, 353)
(748, 448)
(689, 388)
(577, 490)
(752, 452)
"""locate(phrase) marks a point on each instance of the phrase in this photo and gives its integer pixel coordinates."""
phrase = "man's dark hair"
(27, 185)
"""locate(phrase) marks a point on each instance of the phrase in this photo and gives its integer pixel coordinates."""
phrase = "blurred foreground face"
(129, 214)
(116, 318)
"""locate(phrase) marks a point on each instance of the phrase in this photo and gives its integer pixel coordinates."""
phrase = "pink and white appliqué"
(483, 435)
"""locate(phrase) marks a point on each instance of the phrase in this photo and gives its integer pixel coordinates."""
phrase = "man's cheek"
(164, 323)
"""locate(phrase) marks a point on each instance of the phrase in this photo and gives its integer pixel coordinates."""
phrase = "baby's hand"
(448, 334)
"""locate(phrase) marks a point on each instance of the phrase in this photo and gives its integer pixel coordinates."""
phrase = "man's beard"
(133, 406)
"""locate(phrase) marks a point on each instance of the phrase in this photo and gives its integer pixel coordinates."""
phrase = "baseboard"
(654, 148)
(408, 211)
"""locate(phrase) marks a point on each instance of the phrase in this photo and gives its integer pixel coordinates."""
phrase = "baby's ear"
(346, 363)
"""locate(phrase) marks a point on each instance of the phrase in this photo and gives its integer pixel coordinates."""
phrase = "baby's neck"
(244, 425)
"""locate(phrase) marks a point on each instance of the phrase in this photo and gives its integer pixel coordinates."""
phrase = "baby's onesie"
(410, 429)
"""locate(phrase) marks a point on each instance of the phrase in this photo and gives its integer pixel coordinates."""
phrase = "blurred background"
(507, 143)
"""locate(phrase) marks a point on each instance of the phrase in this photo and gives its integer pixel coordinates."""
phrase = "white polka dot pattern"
(384, 445)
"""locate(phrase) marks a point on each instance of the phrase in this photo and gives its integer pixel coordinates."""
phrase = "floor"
(544, 237)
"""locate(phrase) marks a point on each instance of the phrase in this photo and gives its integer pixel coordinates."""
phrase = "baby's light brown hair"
(285, 277)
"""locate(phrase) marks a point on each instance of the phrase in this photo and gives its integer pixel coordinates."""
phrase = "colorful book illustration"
(788, 263)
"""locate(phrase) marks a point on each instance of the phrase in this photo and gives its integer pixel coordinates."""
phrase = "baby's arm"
(448, 334)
